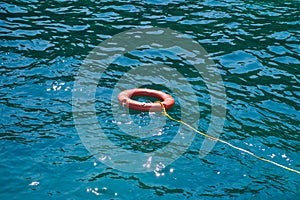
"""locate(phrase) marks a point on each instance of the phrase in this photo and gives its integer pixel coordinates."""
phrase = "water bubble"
(34, 183)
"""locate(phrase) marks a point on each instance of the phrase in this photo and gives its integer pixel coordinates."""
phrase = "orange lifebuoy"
(125, 98)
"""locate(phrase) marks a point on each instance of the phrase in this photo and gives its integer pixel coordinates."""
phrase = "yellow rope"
(224, 142)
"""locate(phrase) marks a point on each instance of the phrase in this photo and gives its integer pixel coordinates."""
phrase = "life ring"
(125, 99)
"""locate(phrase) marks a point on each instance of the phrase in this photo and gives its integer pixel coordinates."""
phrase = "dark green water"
(255, 45)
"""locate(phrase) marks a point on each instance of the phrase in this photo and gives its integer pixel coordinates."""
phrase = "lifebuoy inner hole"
(145, 99)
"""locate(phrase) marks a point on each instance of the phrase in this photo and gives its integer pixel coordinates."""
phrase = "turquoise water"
(254, 44)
